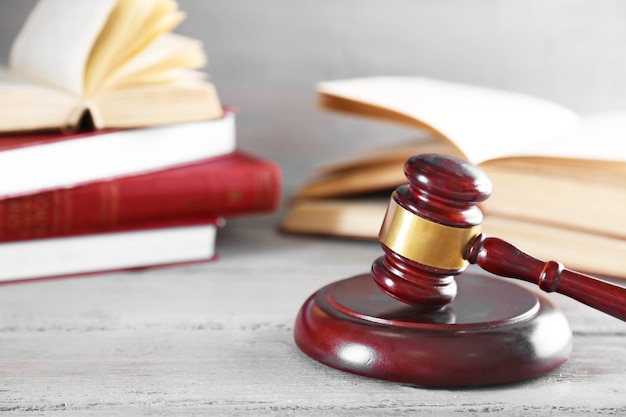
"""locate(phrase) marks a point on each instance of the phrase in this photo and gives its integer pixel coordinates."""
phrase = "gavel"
(405, 322)
(431, 232)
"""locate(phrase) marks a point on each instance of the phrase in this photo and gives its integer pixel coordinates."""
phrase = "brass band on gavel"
(424, 241)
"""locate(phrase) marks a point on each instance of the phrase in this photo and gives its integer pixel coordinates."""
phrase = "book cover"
(107, 252)
(227, 186)
(32, 163)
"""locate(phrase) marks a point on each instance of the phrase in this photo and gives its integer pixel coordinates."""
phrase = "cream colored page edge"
(483, 123)
(54, 43)
(170, 51)
(132, 27)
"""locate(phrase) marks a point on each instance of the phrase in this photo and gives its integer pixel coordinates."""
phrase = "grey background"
(266, 56)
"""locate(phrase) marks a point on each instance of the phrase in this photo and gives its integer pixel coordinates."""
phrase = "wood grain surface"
(216, 339)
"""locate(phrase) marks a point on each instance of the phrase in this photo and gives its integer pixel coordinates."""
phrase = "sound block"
(494, 332)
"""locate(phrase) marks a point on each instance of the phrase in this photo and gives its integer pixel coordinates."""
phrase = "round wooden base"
(494, 332)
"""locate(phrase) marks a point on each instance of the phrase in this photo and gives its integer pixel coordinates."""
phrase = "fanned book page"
(106, 64)
(483, 123)
(53, 46)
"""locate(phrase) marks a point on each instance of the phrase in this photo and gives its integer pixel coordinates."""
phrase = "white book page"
(483, 123)
(26, 105)
(54, 44)
(11, 83)
(599, 137)
(12, 86)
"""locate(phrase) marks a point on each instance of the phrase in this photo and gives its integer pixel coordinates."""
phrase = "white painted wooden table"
(216, 339)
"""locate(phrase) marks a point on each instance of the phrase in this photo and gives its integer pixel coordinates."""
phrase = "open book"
(559, 178)
(113, 60)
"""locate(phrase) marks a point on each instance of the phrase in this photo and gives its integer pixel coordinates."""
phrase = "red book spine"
(232, 185)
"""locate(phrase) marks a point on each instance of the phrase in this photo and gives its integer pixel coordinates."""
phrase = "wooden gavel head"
(427, 228)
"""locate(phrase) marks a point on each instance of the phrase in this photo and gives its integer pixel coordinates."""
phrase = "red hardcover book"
(35, 162)
(231, 185)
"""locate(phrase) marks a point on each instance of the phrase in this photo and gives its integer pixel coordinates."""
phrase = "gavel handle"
(502, 258)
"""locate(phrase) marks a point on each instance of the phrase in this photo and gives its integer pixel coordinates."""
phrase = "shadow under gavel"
(431, 232)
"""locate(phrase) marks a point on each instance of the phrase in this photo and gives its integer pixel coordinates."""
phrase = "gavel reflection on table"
(417, 318)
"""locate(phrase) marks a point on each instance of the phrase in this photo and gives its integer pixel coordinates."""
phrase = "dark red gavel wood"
(418, 330)
(447, 190)
(502, 258)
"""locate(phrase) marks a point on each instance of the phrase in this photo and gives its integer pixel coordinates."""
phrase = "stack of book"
(559, 178)
(115, 151)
